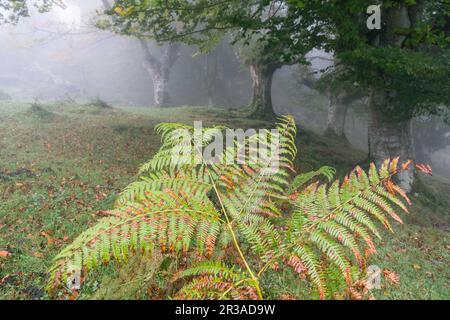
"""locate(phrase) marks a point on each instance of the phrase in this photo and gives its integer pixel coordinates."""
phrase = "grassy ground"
(61, 167)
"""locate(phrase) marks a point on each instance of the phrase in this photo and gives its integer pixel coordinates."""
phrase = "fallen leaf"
(4, 254)
(391, 277)
(48, 237)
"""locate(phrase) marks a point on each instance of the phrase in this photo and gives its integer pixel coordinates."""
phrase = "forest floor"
(61, 167)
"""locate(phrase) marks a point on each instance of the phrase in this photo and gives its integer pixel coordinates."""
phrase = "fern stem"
(235, 241)
(230, 228)
(232, 287)
(266, 266)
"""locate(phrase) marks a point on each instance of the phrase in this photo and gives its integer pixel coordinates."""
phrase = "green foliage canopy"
(273, 28)
(12, 10)
(413, 70)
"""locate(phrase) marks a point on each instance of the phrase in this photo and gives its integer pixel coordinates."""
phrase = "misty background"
(61, 56)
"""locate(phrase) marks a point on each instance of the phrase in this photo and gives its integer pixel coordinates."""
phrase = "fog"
(61, 56)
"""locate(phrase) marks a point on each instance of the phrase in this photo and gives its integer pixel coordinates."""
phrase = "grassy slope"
(59, 170)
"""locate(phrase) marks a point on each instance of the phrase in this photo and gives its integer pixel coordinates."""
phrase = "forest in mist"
(62, 56)
(91, 92)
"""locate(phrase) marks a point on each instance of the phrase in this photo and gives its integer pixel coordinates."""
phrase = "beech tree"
(11, 11)
(404, 66)
(340, 97)
(262, 64)
(157, 68)
(268, 34)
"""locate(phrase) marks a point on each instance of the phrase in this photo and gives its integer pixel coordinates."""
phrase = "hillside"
(62, 166)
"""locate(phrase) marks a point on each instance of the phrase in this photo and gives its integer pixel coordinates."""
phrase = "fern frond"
(240, 216)
(216, 280)
(216, 288)
(334, 219)
(313, 266)
(249, 187)
(180, 147)
(168, 222)
(194, 182)
(261, 235)
(301, 179)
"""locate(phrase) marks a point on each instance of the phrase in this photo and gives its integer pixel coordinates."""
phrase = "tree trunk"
(389, 138)
(261, 104)
(337, 113)
(160, 88)
(159, 71)
(338, 102)
(160, 78)
(211, 61)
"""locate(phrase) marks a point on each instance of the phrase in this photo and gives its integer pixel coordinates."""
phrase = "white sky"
(70, 16)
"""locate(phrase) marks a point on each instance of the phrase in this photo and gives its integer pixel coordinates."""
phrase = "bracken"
(321, 231)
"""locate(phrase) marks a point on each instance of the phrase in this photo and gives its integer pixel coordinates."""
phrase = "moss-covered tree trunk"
(338, 105)
(389, 138)
(211, 65)
(159, 70)
(161, 87)
(337, 113)
(261, 105)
